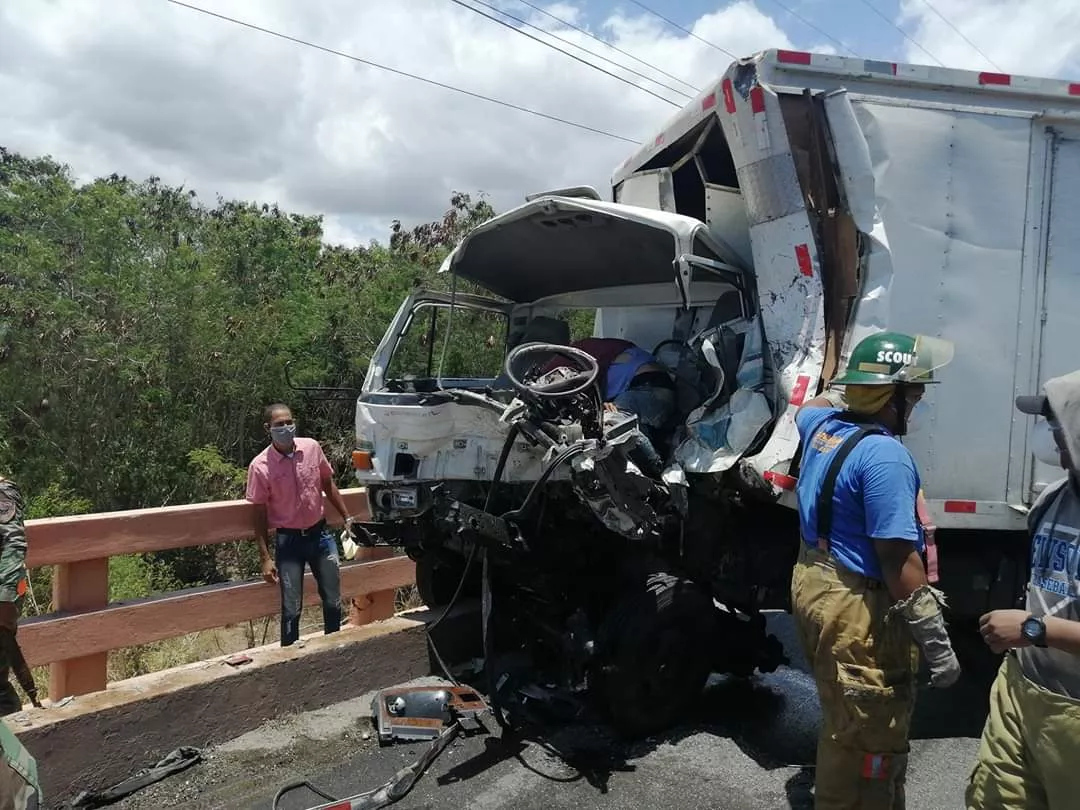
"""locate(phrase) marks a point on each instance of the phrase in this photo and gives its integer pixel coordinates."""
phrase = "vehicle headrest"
(543, 329)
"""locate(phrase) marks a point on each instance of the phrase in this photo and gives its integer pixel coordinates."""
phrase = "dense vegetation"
(141, 332)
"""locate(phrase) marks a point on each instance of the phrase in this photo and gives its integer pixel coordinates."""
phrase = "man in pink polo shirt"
(287, 481)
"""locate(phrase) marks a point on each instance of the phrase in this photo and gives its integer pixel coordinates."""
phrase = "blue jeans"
(654, 406)
(316, 548)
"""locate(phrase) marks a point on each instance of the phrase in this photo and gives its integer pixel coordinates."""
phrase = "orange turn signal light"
(361, 460)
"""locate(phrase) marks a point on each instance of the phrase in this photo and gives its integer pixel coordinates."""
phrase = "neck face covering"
(917, 419)
(283, 434)
(1043, 446)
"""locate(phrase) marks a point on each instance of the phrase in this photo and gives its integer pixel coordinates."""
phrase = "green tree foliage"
(141, 332)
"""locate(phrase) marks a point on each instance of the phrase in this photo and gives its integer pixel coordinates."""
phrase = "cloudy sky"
(143, 87)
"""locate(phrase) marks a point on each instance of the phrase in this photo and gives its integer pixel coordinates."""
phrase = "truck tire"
(655, 647)
(438, 573)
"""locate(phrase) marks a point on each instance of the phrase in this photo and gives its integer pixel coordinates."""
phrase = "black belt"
(657, 379)
(309, 530)
(822, 547)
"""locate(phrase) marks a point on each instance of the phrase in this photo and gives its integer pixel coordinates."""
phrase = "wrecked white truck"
(799, 204)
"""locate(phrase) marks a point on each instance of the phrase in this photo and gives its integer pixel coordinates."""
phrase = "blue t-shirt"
(875, 492)
(621, 373)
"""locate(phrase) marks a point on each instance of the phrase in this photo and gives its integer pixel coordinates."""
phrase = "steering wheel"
(586, 370)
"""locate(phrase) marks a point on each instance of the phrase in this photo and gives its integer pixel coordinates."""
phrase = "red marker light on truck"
(995, 78)
(729, 95)
(793, 57)
(961, 507)
(780, 480)
(757, 99)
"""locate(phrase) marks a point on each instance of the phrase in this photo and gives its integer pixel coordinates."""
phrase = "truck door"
(653, 189)
(1059, 315)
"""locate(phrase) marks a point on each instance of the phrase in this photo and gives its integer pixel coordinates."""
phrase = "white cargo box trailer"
(875, 195)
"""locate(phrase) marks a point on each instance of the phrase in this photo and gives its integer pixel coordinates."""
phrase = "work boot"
(9, 699)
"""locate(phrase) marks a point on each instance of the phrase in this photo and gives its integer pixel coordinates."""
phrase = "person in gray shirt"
(1028, 753)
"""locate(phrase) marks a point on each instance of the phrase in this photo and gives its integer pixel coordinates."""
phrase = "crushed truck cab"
(799, 204)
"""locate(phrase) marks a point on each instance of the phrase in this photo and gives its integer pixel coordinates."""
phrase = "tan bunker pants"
(865, 671)
(1029, 756)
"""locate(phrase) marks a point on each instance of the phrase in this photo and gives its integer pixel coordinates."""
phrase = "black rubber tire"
(438, 573)
(655, 648)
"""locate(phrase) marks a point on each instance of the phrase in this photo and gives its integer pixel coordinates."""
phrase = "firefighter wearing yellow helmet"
(862, 604)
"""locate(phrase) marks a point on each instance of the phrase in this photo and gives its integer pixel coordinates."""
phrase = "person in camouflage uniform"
(13, 581)
(19, 787)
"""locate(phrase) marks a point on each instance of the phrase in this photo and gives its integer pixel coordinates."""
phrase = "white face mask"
(1043, 446)
(918, 418)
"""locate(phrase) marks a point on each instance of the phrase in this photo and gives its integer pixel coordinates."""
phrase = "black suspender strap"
(828, 485)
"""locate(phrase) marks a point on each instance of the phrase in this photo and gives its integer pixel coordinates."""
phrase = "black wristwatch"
(1034, 630)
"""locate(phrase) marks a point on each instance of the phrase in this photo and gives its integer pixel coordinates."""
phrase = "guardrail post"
(372, 607)
(80, 586)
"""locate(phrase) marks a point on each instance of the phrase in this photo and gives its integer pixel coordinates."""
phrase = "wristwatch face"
(1034, 631)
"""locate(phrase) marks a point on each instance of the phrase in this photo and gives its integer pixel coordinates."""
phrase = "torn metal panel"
(719, 436)
(837, 235)
(770, 188)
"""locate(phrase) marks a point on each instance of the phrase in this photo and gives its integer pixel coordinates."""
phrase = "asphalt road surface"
(749, 747)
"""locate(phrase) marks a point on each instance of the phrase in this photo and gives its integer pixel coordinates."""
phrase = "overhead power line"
(517, 30)
(573, 44)
(993, 64)
(809, 24)
(395, 71)
(615, 48)
(907, 36)
(684, 30)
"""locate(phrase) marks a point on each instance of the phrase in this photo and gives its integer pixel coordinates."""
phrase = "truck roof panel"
(800, 68)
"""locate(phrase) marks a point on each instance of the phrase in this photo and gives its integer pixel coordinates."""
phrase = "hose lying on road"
(179, 760)
(393, 791)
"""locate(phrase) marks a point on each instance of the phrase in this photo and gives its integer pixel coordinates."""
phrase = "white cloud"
(142, 88)
(1027, 37)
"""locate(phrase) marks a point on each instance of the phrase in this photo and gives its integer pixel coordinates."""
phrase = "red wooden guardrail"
(76, 638)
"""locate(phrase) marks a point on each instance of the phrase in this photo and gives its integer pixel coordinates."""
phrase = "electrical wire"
(907, 36)
(809, 24)
(615, 48)
(684, 30)
(407, 75)
(993, 64)
(516, 30)
(573, 44)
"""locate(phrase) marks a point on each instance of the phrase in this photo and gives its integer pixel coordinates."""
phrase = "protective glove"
(348, 545)
(922, 612)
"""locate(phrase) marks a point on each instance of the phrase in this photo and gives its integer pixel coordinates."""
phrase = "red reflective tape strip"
(798, 393)
(659, 140)
(875, 766)
(994, 78)
(793, 57)
(1074, 89)
(780, 480)
(709, 101)
(802, 255)
(961, 507)
(757, 100)
(729, 95)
